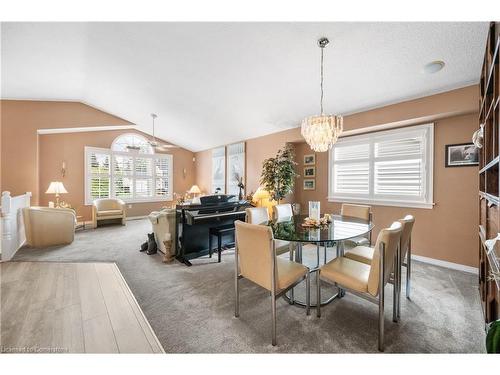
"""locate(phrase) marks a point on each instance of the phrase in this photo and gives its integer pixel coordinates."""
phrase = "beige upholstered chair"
(360, 212)
(46, 226)
(367, 281)
(256, 260)
(257, 215)
(282, 212)
(260, 216)
(364, 254)
(107, 209)
(164, 232)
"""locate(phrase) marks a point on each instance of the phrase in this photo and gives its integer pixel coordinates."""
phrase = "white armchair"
(107, 209)
(49, 226)
(163, 223)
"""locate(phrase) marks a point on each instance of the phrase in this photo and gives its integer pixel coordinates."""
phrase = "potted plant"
(278, 174)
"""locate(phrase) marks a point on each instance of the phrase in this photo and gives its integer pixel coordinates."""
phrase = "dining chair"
(256, 260)
(282, 212)
(257, 215)
(360, 212)
(363, 280)
(260, 216)
(364, 254)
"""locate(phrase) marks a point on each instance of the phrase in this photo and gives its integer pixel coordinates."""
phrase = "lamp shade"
(194, 190)
(56, 187)
(261, 193)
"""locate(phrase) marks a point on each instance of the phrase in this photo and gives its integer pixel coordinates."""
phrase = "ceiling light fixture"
(154, 143)
(434, 66)
(321, 132)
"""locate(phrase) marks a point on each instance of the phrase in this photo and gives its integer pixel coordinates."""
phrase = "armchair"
(49, 226)
(163, 223)
(107, 209)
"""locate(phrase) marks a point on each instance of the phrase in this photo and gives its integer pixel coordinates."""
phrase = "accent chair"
(46, 226)
(108, 209)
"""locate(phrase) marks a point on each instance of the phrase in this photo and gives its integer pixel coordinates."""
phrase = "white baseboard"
(442, 263)
(136, 217)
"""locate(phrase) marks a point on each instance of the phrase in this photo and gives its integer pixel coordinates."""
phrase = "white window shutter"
(399, 178)
(351, 178)
(392, 167)
(139, 177)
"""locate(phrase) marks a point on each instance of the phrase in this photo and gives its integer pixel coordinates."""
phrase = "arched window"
(131, 142)
(130, 170)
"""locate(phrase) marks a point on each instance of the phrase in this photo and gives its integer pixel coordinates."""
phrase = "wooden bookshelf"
(489, 162)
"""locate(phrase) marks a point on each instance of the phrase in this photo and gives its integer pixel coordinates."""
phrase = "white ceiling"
(217, 83)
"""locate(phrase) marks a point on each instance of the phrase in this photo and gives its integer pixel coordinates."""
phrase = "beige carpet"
(191, 308)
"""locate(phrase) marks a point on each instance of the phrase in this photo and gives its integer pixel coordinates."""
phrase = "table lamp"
(261, 194)
(194, 191)
(56, 187)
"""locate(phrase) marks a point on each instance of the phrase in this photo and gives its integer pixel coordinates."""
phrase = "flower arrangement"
(180, 199)
(313, 223)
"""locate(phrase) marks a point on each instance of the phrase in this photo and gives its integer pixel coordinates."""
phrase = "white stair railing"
(12, 226)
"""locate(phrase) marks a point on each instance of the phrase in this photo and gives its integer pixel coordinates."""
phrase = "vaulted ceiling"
(217, 83)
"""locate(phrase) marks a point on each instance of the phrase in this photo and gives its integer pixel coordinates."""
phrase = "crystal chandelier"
(321, 132)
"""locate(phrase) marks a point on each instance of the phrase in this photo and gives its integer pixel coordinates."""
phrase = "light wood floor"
(70, 308)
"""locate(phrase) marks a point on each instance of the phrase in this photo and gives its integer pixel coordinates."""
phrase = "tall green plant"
(278, 173)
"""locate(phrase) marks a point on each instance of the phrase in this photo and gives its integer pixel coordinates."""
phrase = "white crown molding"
(86, 129)
(442, 263)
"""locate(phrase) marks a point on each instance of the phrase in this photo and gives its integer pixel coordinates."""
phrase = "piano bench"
(218, 232)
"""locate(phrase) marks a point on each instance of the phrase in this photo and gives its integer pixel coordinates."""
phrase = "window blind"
(392, 167)
(131, 177)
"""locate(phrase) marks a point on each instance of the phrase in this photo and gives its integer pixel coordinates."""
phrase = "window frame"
(427, 130)
(154, 198)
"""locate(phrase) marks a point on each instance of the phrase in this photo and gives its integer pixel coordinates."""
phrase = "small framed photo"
(310, 159)
(309, 184)
(462, 155)
(309, 172)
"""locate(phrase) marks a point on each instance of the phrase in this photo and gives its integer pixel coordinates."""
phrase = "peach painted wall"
(70, 147)
(439, 233)
(20, 120)
(445, 232)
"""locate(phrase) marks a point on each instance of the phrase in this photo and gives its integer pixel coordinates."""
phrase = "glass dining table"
(313, 247)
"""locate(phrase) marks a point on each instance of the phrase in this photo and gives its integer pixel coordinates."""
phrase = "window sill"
(135, 201)
(391, 203)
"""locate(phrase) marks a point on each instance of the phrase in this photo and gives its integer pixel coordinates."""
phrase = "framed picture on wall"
(461, 155)
(310, 159)
(309, 172)
(309, 184)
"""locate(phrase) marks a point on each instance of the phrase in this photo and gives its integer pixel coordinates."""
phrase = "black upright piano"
(194, 222)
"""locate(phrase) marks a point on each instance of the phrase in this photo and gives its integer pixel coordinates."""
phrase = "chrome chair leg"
(340, 247)
(408, 270)
(381, 299)
(399, 266)
(317, 255)
(291, 299)
(236, 285)
(318, 294)
(237, 299)
(395, 291)
(273, 307)
(308, 294)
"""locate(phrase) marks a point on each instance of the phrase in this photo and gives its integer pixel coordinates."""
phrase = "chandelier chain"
(321, 100)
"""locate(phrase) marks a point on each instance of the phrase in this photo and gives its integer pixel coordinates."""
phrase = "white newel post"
(12, 235)
(6, 223)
